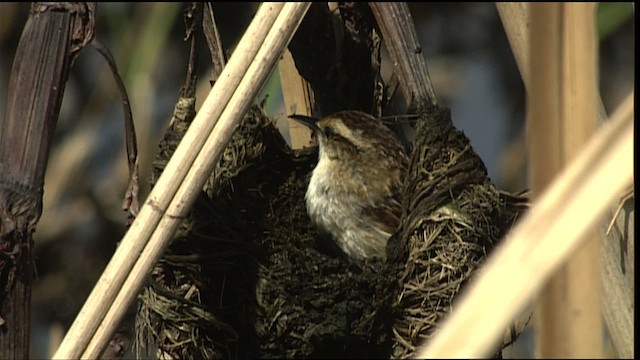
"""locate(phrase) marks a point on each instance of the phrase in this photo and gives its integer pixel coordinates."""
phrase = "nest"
(247, 275)
(454, 216)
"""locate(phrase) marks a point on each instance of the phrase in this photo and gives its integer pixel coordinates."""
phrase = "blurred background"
(470, 63)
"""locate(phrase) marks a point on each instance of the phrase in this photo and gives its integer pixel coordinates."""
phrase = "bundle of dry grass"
(200, 299)
(454, 216)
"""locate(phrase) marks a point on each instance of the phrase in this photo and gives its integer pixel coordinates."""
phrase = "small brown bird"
(354, 192)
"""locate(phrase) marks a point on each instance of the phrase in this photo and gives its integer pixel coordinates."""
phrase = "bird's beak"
(307, 121)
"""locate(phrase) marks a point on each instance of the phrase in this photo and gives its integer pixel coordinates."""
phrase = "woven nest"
(454, 216)
(247, 276)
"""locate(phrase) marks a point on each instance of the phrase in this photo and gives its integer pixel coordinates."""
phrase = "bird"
(354, 193)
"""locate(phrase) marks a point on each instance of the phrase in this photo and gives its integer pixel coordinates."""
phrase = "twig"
(213, 40)
(400, 37)
(193, 19)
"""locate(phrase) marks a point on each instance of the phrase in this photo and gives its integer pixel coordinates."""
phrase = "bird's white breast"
(337, 210)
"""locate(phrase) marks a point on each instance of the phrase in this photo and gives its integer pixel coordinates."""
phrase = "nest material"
(454, 217)
(200, 302)
(247, 275)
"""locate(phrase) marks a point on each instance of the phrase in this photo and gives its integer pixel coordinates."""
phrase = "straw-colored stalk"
(247, 70)
(556, 225)
(298, 99)
(515, 17)
(617, 293)
(564, 215)
(562, 118)
(515, 20)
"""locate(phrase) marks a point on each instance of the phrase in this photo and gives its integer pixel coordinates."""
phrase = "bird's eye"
(327, 131)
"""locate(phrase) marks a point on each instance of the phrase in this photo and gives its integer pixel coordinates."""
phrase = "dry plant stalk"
(52, 37)
(562, 118)
(515, 20)
(113, 278)
(618, 276)
(553, 228)
(617, 298)
(254, 78)
(398, 31)
(515, 17)
(298, 99)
